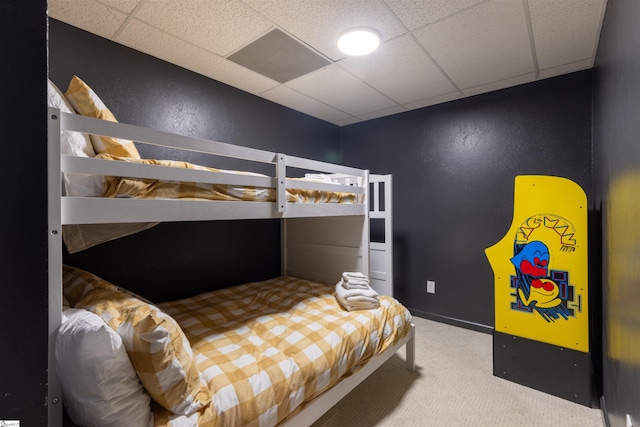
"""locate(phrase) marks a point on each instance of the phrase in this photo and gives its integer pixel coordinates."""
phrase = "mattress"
(266, 348)
(159, 189)
(78, 237)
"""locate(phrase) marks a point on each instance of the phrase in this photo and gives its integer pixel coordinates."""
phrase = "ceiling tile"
(383, 113)
(401, 70)
(125, 6)
(334, 86)
(486, 43)
(456, 48)
(138, 35)
(566, 68)
(418, 13)
(290, 98)
(92, 16)
(220, 26)
(502, 84)
(320, 23)
(347, 122)
(433, 101)
(564, 31)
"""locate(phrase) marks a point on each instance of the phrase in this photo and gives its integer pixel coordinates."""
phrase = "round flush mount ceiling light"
(359, 41)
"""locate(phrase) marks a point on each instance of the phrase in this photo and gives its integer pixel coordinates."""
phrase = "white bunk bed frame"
(319, 240)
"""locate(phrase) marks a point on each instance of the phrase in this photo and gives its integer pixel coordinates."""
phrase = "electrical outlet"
(431, 286)
(629, 422)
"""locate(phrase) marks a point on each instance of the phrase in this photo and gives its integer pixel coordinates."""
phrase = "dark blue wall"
(23, 224)
(453, 168)
(616, 127)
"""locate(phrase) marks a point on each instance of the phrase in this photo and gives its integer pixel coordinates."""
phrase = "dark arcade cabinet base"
(558, 371)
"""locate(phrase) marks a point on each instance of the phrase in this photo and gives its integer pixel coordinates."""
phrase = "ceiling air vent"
(279, 57)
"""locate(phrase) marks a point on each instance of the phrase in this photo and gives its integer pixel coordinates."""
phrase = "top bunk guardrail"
(271, 196)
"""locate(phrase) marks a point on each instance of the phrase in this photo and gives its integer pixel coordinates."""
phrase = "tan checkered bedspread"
(155, 189)
(265, 348)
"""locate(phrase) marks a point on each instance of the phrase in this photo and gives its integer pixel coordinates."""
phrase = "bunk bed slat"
(298, 162)
(109, 167)
(155, 137)
(97, 210)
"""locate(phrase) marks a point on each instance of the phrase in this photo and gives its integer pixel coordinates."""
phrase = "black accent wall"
(459, 158)
(453, 169)
(145, 91)
(23, 224)
(616, 125)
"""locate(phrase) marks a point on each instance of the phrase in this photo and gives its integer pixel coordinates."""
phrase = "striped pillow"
(85, 101)
(158, 349)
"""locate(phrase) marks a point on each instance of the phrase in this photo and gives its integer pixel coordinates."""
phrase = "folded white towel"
(360, 305)
(346, 292)
(362, 299)
(353, 275)
(354, 280)
(355, 284)
(357, 299)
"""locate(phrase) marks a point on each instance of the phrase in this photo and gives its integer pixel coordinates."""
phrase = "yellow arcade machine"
(541, 336)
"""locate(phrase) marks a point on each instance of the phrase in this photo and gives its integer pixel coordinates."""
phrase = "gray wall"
(616, 127)
(23, 224)
(453, 168)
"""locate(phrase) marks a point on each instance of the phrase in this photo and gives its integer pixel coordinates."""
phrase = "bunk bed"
(323, 235)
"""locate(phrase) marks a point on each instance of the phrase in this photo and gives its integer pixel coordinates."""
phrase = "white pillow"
(74, 144)
(99, 385)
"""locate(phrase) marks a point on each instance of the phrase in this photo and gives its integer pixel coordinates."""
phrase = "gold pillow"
(76, 283)
(85, 101)
(158, 349)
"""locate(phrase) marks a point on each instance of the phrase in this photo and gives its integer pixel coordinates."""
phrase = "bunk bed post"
(281, 179)
(410, 350)
(54, 193)
(366, 226)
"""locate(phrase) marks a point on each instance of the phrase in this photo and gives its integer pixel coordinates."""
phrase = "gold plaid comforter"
(266, 348)
(157, 189)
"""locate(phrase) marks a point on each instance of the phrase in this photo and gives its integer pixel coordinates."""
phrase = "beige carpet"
(453, 385)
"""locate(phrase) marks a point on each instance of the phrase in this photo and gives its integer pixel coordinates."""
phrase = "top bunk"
(173, 190)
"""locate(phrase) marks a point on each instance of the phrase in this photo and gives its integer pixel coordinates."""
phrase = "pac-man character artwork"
(540, 265)
(536, 287)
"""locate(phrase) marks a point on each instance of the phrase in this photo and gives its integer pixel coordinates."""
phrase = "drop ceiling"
(432, 51)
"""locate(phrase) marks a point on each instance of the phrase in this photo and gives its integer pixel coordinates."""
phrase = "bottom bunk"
(276, 352)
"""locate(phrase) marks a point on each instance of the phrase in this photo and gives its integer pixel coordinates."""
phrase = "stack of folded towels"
(354, 293)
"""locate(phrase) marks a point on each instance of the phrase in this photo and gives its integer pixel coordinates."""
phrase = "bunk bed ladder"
(381, 253)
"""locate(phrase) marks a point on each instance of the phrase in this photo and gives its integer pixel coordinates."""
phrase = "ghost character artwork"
(540, 264)
(536, 290)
